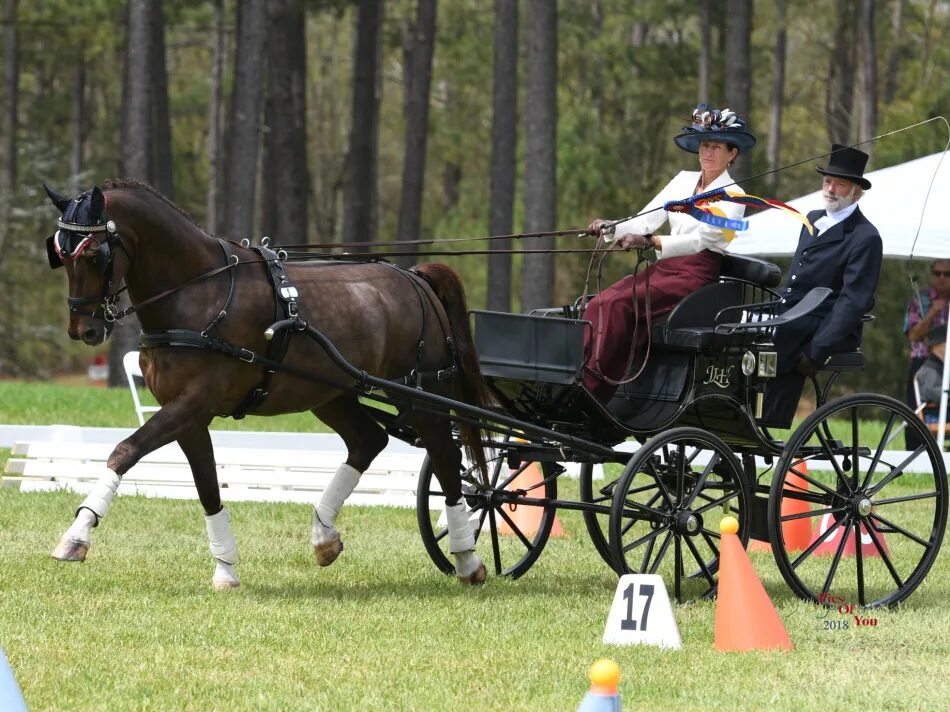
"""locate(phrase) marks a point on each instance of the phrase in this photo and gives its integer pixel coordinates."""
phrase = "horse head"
(85, 244)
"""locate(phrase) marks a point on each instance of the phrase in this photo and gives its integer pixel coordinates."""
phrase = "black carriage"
(701, 451)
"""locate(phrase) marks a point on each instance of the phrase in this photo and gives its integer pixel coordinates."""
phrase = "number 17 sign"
(641, 614)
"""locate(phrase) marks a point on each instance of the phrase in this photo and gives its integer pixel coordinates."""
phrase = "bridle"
(63, 248)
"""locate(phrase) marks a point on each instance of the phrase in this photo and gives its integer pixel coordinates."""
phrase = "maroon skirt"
(620, 320)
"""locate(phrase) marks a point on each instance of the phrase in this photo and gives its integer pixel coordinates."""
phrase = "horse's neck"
(166, 248)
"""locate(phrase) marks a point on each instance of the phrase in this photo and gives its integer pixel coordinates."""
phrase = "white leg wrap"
(466, 563)
(461, 534)
(221, 538)
(99, 499)
(340, 487)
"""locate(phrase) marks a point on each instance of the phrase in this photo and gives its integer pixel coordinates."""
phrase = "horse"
(222, 327)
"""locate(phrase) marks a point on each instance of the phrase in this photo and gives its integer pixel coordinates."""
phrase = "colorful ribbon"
(698, 207)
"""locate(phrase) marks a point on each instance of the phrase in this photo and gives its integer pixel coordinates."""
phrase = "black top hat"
(711, 124)
(847, 162)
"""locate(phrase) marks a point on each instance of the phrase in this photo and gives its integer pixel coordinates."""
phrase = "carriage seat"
(750, 269)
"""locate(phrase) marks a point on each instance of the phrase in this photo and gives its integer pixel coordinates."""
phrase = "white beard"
(834, 203)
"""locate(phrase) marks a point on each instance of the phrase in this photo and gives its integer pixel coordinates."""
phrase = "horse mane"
(133, 184)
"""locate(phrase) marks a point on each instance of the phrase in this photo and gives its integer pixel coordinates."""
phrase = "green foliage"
(628, 76)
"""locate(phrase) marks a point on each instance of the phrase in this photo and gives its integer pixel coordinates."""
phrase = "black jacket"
(847, 259)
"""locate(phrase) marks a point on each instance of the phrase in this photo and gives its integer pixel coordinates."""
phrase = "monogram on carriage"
(376, 351)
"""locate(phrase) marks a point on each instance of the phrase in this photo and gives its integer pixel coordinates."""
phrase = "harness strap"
(286, 307)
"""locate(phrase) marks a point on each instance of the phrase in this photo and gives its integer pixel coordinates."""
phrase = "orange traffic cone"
(745, 616)
(795, 532)
(829, 547)
(527, 517)
(603, 696)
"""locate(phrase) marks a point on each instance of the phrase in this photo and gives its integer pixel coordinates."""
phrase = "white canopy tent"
(897, 204)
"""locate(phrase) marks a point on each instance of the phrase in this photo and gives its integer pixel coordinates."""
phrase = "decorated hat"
(847, 162)
(937, 335)
(711, 124)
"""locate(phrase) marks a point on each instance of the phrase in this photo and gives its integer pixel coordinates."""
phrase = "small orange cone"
(829, 547)
(795, 532)
(745, 616)
(526, 517)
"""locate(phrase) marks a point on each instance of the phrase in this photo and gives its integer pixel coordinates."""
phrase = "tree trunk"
(868, 94)
(897, 50)
(215, 115)
(540, 172)
(840, 86)
(778, 94)
(705, 52)
(237, 220)
(136, 149)
(738, 60)
(286, 190)
(504, 149)
(417, 127)
(138, 125)
(360, 191)
(161, 162)
(9, 120)
(77, 154)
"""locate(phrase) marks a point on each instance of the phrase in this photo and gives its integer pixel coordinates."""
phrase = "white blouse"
(687, 235)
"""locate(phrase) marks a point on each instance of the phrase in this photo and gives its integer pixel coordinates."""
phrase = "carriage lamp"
(748, 363)
(768, 364)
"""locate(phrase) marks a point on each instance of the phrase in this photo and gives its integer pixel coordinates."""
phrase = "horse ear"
(98, 202)
(60, 201)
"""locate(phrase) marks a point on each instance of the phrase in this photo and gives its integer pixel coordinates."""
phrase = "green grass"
(44, 403)
(137, 627)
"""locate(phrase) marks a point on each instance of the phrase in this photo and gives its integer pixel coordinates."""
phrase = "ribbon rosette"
(699, 207)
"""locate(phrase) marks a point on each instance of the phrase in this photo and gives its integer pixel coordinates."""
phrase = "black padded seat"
(750, 269)
(848, 361)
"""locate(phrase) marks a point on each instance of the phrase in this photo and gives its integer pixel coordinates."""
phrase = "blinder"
(83, 219)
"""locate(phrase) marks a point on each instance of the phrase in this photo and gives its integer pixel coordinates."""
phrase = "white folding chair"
(130, 362)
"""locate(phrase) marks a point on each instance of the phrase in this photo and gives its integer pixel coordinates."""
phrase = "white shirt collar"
(830, 219)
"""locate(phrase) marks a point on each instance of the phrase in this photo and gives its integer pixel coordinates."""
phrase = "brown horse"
(205, 305)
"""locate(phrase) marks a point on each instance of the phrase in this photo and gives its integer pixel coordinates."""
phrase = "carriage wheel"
(877, 514)
(667, 507)
(505, 545)
(597, 493)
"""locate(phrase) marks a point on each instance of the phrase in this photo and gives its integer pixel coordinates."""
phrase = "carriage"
(674, 450)
(874, 515)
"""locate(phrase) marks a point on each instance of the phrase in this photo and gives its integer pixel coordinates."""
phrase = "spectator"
(929, 376)
(927, 309)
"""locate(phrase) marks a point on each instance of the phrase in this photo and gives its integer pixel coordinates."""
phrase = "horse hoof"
(476, 578)
(328, 551)
(224, 584)
(71, 550)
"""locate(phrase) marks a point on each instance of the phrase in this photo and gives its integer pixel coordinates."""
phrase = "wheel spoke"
(811, 513)
(900, 530)
(884, 557)
(677, 567)
(659, 482)
(710, 537)
(661, 553)
(820, 485)
(855, 439)
(495, 545)
(681, 473)
(839, 552)
(879, 451)
(514, 527)
(716, 502)
(831, 458)
(648, 553)
(895, 472)
(811, 547)
(646, 538)
(859, 564)
(699, 560)
(700, 483)
(906, 498)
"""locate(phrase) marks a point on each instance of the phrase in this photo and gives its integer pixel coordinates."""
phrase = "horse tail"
(449, 290)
